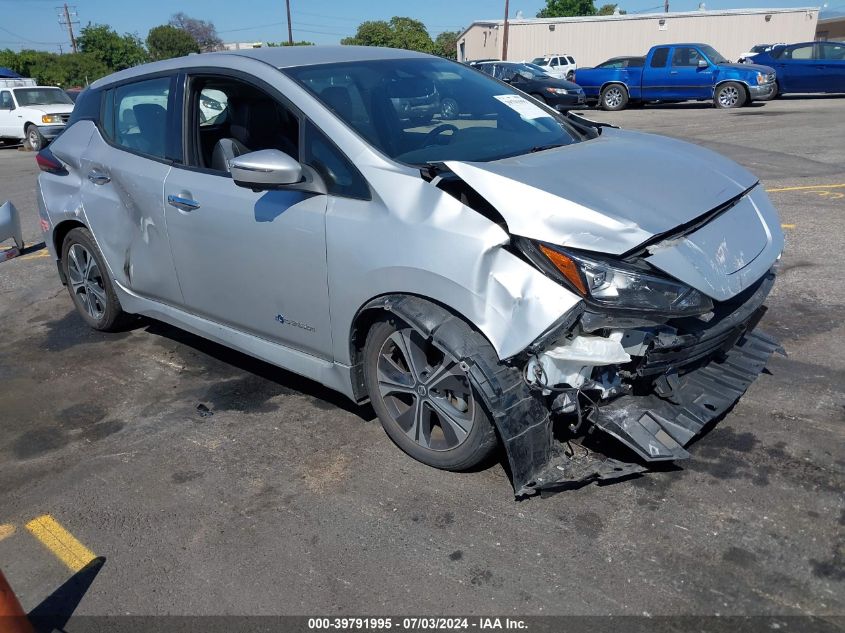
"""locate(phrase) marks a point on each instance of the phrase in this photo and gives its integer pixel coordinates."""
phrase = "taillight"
(49, 163)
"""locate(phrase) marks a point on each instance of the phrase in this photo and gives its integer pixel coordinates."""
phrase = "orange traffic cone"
(12, 616)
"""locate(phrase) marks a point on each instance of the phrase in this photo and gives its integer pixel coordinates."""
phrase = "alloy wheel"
(728, 97)
(86, 281)
(613, 98)
(426, 392)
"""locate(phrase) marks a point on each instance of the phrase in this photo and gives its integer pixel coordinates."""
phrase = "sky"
(35, 23)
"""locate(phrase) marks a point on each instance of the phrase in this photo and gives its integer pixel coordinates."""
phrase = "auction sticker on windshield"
(522, 106)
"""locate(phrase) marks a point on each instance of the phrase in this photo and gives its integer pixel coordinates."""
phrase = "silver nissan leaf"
(404, 229)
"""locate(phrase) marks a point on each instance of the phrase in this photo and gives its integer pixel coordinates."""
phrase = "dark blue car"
(807, 67)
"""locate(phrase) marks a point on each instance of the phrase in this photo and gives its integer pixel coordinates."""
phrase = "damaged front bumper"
(655, 404)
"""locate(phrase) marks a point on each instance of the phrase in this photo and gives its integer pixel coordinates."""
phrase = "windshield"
(760, 48)
(541, 61)
(425, 110)
(526, 70)
(42, 96)
(713, 55)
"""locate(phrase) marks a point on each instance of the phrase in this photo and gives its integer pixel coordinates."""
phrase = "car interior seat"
(254, 125)
(152, 123)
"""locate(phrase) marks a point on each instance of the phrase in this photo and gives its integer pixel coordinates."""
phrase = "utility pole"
(665, 6)
(65, 15)
(290, 29)
(505, 34)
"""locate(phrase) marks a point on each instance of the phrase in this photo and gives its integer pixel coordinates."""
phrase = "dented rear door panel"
(129, 210)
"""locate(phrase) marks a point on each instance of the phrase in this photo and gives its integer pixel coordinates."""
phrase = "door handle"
(98, 177)
(182, 202)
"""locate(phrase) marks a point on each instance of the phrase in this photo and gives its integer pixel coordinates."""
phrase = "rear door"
(124, 169)
(832, 59)
(655, 79)
(688, 80)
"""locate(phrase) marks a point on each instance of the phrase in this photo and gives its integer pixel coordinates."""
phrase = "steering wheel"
(433, 134)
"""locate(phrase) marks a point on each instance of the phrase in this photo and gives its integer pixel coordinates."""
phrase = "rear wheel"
(88, 282)
(729, 95)
(614, 97)
(424, 399)
(34, 139)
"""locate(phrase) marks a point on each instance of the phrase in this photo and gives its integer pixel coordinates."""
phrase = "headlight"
(51, 118)
(613, 284)
(761, 79)
(558, 91)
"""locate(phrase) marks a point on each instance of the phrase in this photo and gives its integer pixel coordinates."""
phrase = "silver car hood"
(608, 194)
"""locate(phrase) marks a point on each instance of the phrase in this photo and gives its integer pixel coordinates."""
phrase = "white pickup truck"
(32, 113)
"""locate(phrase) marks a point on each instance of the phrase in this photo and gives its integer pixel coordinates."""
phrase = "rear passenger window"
(139, 116)
(659, 58)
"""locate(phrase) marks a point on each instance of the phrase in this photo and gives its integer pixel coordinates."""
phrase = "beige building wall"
(591, 40)
(832, 29)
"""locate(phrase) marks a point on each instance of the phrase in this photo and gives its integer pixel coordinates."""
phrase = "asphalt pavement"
(288, 499)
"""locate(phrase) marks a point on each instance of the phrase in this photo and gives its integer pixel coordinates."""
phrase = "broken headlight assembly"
(616, 285)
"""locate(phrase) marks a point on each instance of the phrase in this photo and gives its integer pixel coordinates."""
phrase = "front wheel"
(34, 139)
(449, 109)
(570, 76)
(614, 97)
(88, 282)
(729, 95)
(424, 399)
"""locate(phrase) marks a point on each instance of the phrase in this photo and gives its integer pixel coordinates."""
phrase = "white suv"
(31, 113)
(560, 66)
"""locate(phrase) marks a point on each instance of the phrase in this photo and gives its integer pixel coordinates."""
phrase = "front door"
(798, 69)
(10, 123)
(255, 261)
(688, 79)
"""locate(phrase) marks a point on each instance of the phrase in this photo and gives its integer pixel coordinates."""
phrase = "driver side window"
(6, 102)
(229, 118)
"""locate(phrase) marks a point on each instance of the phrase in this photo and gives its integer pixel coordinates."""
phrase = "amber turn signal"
(567, 267)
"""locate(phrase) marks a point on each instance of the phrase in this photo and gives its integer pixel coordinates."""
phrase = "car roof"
(278, 56)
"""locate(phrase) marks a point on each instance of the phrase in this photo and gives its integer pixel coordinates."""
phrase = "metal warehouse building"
(593, 39)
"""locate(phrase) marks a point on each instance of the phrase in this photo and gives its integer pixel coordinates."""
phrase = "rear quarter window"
(659, 58)
(87, 107)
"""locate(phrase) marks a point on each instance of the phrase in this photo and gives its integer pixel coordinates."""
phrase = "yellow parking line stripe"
(787, 226)
(6, 530)
(61, 542)
(806, 187)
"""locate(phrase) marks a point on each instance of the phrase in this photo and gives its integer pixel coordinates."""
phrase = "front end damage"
(652, 388)
(672, 282)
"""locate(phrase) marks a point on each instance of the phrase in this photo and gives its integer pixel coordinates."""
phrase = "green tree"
(399, 32)
(610, 9)
(115, 51)
(567, 8)
(168, 41)
(446, 44)
(69, 70)
(371, 33)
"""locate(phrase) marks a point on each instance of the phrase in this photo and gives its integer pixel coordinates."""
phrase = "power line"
(21, 38)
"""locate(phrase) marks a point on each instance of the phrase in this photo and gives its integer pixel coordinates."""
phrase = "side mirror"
(702, 63)
(265, 169)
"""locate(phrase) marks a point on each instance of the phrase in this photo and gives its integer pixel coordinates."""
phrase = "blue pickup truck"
(676, 72)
